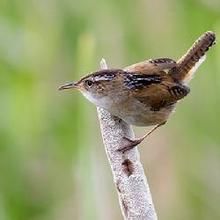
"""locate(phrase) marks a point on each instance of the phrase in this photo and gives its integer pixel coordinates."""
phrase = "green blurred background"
(52, 161)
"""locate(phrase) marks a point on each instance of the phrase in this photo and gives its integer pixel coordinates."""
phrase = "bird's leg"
(133, 143)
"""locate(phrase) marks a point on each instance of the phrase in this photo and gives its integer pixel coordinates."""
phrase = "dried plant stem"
(131, 183)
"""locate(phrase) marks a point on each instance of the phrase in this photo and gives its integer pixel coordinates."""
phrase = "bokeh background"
(52, 161)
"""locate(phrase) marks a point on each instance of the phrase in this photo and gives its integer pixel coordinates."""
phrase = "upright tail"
(188, 63)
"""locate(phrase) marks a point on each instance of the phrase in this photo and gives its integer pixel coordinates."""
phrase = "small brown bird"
(144, 93)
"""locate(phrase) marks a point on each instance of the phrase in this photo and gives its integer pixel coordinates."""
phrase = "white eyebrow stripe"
(104, 78)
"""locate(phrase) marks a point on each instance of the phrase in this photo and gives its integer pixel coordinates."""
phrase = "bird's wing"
(151, 66)
(157, 92)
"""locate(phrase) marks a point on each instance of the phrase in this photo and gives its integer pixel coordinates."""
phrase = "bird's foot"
(130, 144)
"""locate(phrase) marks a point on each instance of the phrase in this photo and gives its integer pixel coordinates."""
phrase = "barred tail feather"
(194, 57)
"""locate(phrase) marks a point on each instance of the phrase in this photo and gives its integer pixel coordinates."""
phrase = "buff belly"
(144, 116)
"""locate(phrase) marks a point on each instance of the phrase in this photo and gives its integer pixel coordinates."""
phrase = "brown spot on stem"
(125, 208)
(127, 167)
(117, 186)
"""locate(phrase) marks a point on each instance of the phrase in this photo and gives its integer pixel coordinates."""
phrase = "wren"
(145, 93)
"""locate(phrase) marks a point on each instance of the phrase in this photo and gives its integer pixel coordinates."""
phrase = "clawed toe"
(129, 144)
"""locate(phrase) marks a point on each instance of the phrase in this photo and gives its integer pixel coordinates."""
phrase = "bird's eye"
(89, 83)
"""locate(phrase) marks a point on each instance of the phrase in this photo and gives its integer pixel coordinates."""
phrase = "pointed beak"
(71, 85)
